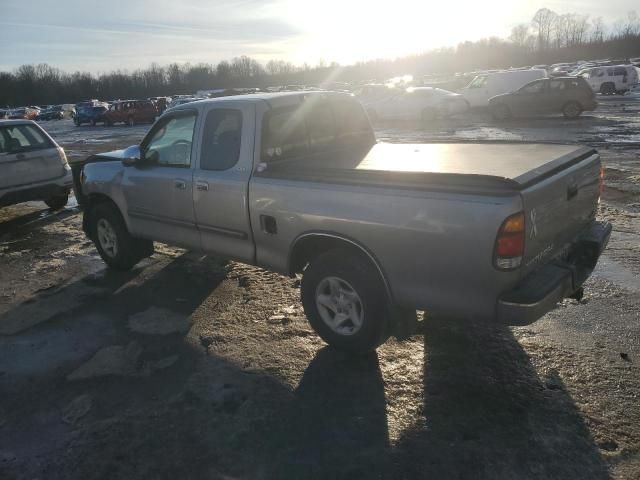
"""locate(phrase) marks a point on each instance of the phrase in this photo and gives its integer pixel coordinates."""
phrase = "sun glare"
(349, 31)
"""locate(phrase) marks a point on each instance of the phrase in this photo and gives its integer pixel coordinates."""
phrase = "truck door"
(220, 196)
(159, 192)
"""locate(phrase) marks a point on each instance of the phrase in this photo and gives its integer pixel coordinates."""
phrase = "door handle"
(202, 186)
(180, 184)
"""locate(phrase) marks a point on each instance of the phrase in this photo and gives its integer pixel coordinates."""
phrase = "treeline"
(549, 38)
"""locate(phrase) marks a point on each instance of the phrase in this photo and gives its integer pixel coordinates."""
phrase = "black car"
(51, 113)
(567, 95)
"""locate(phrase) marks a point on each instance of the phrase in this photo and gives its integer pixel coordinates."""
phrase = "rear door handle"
(202, 186)
(180, 184)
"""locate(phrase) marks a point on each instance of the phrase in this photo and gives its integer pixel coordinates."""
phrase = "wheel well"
(309, 247)
(93, 200)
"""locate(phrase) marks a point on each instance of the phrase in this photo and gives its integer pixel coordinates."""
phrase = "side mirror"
(131, 155)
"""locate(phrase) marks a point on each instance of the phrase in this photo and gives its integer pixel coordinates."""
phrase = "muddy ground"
(194, 368)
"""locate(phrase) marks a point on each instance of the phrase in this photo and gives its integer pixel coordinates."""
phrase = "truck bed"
(491, 167)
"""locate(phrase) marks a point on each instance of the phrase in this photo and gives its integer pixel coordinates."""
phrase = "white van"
(612, 79)
(488, 85)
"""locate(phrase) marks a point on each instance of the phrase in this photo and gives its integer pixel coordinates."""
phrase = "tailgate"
(558, 208)
(30, 167)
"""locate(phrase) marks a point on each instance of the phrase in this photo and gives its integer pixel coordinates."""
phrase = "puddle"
(616, 273)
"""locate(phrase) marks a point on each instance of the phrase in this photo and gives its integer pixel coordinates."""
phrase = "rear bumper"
(37, 191)
(542, 290)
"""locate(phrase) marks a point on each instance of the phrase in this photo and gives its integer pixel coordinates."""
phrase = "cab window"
(221, 139)
(169, 143)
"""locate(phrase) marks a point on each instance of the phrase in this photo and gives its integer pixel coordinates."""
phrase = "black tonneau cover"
(471, 167)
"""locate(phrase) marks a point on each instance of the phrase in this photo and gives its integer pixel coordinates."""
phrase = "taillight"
(509, 248)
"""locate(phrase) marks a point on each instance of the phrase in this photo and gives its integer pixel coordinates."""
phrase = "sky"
(105, 35)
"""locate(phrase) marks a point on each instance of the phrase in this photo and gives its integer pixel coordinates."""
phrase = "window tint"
(352, 124)
(320, 125)
(22, 138)
(221, 139)
(284, 135)
(170, 142)
(556, 85)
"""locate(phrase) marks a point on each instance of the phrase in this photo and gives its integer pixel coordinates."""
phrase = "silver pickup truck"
(296, 183)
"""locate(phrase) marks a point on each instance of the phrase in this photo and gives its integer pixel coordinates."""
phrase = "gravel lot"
(191, 367)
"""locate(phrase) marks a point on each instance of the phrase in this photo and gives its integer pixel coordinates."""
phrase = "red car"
(131, 112)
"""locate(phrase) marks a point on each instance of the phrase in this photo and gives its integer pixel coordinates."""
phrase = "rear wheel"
(57, 201)
(571, 110)
(116, 246)
(131, 122)
(501, 112)
(345, 301)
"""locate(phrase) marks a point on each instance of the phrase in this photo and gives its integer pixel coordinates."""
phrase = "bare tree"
(597, 30)
(519, 35)
(543, 22)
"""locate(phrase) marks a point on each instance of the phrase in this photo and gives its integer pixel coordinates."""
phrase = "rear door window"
(557, 85)
(221, 139)
(620, 71)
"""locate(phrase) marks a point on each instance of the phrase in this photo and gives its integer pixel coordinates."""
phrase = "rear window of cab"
(317, 125)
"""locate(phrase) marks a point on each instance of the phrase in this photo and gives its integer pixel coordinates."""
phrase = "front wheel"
(571, 110)
(345, 301)
(116, 246)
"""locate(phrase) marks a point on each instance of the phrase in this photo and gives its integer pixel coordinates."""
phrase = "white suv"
(611, 80)
(32, 166)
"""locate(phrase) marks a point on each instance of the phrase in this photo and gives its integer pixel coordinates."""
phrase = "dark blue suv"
(87, 113)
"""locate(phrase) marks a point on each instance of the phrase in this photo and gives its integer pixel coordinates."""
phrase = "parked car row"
(128, 112)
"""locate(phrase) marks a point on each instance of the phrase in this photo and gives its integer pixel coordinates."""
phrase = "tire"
(344, 282)
(77, 123)
(501, 112)
(58, 201)
(108, 123)
(571, 110)
(116, 246)
(93, 122)
(131, 122)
